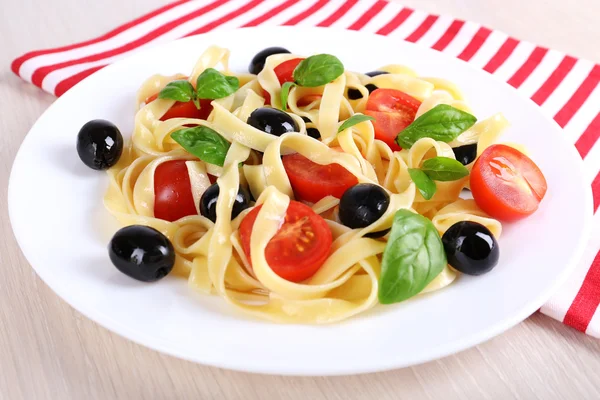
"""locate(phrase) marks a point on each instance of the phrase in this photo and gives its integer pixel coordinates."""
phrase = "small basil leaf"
(179, 90)
(413, 257)
(285, 92)
(318, 70)
(443, 123)
(353, 120)
(211, 84)
(204, 143)
(424, 183)
(444, 169)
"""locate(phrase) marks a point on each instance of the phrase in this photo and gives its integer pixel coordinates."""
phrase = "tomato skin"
(172, 191)
(185, 110)
(393, 111)
(285, 70)
(311, 181)
(285, 73)
(299, 247)
(507, 184)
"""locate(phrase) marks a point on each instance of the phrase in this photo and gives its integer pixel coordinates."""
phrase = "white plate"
(55, 205)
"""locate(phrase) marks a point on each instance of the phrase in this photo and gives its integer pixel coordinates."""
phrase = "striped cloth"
(566, 88)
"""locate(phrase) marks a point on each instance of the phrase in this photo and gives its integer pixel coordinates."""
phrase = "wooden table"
(48, 350)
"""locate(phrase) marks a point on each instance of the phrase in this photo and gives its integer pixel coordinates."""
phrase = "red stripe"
(39, 75)
(449, 35)
(396, 21)
(225, 18)
(587, 140)
(536, 57)
(586, 302)
(339, 13)
(271, 13)
(368, 15)
(307, 13)
(475, 44)
(503, 53)
(71, 81)
(16, 64)
(422, 29)
(565, 66)
(579, 97)
(596, 191)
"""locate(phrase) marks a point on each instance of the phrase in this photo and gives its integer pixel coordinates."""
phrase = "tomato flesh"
(186, 110)
(172, 191)
(507, 184)
(311, 181)
(300, 246)
(393, 111)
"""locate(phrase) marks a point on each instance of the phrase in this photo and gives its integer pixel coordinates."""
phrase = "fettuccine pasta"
(219, 252)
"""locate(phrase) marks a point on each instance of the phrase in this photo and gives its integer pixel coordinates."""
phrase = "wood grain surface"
(50, 351)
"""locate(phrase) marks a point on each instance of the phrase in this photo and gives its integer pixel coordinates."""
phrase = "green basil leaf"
(211, 84)
(424, 183)
(353, 120)
(442, 122)
(318, 70)
(179, 90)
(204, 143)
(285, 92)
(413, 257)
(444, 169)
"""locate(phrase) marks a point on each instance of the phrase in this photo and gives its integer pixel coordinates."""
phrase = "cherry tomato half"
(506, 183)
(311, 181)
(299, 247)
(285, 73)
(185, 110)
(393, 111)
(172, 191)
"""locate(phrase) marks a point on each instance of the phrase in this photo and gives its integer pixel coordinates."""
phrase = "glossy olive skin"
(99, 144)
(272, 121)
(375, 73)
(471, 248)
(313, 133)
(208, 202)
(355, 94)
(142, 253)
(258, 61)
(465, 154)
(362, 205)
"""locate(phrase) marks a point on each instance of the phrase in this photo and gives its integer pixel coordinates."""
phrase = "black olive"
(313, 133)
(362, 205)
(471, 248)
(306, 120)
(465, 154)
(208, 202)
(273, 121)
(99, 144)
(355, 94)
(258, 62)
(375, 73)
(142, 253)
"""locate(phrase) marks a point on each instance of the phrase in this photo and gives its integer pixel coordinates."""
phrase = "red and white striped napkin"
(566, 88)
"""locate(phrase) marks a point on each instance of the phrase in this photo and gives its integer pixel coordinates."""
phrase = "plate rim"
(157, 344)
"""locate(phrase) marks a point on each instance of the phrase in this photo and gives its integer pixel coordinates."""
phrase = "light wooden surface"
(50, 351)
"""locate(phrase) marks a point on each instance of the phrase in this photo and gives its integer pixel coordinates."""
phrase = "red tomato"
(311, 181)
(299, 247)
(185, 110)
(393, 111)
(172, 191)
(506, 183)
(284, 72)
